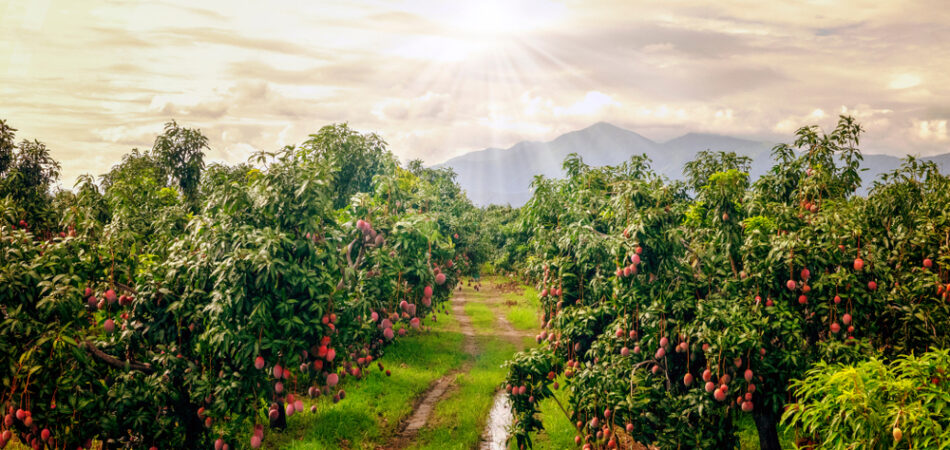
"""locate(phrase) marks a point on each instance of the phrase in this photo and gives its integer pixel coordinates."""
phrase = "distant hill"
(503, 176)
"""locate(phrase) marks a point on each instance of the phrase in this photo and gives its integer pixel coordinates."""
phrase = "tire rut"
(495, 434)
(424, 407)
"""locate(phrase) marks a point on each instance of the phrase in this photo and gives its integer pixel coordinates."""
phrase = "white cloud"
(427, 106)
(129, 134)
(904, 81)
(931, 130)
(592, 103)
(93, 79)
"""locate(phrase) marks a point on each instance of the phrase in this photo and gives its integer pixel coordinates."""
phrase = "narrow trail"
(495, 434)
(424, 407)
(495, 431)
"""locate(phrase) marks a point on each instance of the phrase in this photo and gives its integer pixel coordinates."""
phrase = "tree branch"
(349, 260)
(115, 362)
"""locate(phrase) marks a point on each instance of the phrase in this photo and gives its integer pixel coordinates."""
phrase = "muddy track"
(424, 406)
(499, 418)
(495, 434)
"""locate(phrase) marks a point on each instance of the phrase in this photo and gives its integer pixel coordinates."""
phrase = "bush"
(678, 307)
(874, 404)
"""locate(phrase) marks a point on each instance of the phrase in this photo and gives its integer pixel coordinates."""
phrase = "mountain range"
(503, 176)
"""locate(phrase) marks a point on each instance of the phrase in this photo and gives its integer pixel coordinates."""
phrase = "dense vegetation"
(672, 308)
(174, 303)
(180, 304)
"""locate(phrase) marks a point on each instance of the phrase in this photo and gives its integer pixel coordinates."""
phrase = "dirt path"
(495, 434)
(423, 408)
(499, 418)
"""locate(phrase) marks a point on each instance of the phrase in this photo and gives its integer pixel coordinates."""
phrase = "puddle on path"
(499, 419)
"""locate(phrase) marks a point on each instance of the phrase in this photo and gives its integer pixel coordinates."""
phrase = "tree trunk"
(767, 425)
(194, 425)
(281, 421)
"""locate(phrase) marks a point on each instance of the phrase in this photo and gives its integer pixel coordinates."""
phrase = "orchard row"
(158, 308)
(649, 286)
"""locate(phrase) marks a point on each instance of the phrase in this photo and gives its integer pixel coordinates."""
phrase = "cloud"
(592, 103)
(97, 78)
(931, 130)
(904, 81)
(427, 106)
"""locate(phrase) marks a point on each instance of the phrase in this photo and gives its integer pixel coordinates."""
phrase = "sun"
(471, 30)
(489, 19)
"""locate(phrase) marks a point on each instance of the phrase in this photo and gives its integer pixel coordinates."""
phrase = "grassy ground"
(523, 309)
(749, 436)
(558, 431)
(482, 317)
(460, 417)
(373, 407)
(517, 303)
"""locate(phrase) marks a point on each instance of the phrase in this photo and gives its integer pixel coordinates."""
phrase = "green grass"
(373, 407)
(523, 309)
(520, 308)
(523, 318)
(558, 431)
(482, 317)
(749, 435)
(458, 420)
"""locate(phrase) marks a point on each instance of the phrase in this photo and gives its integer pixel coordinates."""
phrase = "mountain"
(503, 176)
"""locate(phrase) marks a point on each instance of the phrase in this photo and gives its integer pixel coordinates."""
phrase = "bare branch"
(116, 362)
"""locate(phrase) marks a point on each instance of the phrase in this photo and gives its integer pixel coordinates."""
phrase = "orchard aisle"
(443, 385)
(423, 408)
(464, 410)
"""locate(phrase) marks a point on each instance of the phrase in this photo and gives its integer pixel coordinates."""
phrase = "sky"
(435, 79)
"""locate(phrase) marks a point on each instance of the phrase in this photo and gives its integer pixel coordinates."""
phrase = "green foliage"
(209, 272)
(180, 151)
(739, 277)
(27, 174)
(7, 145)
(353, 158)
(863, 405)
(504, 237)
(699, 171)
